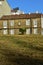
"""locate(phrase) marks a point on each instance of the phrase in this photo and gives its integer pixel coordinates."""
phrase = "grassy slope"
(21, 50)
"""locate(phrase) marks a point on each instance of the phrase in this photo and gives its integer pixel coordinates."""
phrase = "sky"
(27, 5)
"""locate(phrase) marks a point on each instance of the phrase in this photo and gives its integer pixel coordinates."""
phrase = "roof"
(13, 10)
(21, 16)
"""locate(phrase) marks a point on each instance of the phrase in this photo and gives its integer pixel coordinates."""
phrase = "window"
(12, 31)
(35, 31)
(42, 22)
(27, 31)
(11, 22)
(35, 22)
(5, 24)
(28, 22)
(5, 32)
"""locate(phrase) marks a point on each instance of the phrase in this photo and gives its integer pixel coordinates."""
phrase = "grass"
(21, 50)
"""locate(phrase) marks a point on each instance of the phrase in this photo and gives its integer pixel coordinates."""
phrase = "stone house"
(18, 24)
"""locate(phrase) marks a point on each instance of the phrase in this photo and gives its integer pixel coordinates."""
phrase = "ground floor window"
(35, 31)
(5, 32)
(11, 31)
(28, 31)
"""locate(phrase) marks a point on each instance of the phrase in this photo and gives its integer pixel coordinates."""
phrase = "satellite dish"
(37, 11)
(29, 13)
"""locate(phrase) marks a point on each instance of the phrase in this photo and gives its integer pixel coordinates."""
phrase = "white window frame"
(5, 24)
(28, 22)
(11, 22)
(35, 22)
(5, 32)
(28, 31)
(12, 31)
(42, 22)
(35, 31)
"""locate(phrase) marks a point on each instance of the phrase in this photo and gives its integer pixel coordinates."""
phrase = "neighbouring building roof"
(21, 16)
(15, 9)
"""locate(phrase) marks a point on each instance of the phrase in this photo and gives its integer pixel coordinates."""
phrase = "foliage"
(22, 30)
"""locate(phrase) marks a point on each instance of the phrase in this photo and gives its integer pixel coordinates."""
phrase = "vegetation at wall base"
(22, 30)
(21, 50)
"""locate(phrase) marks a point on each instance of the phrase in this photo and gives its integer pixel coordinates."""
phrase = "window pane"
(42, 22)
(5, 24)
(5, 32)
(27, 31)
(12, 31)
(11, 22)
(35, 31)
(35, 22)
(28, 22)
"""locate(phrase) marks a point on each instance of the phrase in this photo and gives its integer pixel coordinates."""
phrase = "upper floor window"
(11, 22)
(35, 22)
(28, 22)
(42, 22)
(5, 24)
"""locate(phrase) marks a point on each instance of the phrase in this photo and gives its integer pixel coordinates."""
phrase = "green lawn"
(21, 50)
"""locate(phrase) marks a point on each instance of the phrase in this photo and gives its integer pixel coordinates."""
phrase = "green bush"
(22, 30)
